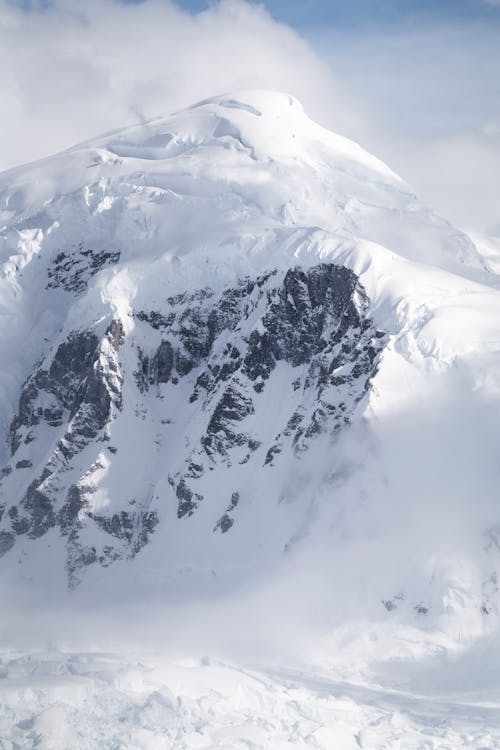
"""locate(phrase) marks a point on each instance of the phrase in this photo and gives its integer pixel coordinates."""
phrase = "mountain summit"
(210, 326)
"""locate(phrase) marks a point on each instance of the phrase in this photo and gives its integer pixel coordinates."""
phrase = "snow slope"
(114, 700)
(245, 368)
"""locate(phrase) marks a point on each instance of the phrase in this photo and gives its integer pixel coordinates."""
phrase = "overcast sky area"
(415, 82)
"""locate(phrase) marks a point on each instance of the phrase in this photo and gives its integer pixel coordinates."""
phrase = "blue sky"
(428, 74)
(304, 14)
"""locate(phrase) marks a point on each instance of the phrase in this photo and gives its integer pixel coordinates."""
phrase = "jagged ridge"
(225, 348)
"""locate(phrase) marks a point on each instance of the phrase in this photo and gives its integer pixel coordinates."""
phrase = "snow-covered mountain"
(249, 405)
(217, 332)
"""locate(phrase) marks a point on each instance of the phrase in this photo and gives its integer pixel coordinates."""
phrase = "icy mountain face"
(194, 313)
(204, 369)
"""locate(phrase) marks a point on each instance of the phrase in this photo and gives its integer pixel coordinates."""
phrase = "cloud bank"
(428, 100)
(423, 97)
(74, 70)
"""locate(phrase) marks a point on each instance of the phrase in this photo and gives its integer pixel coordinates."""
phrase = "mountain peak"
(257, 102)
(205, 301)
(252, 160)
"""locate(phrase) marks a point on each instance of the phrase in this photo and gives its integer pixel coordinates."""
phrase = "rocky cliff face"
(210, 363)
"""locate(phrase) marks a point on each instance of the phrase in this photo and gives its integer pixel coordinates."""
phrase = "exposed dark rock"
(142, 373)
(293, 326)
(133, 528)
(163, 362)
(225, 522)
(116, 333)
(194, 470)
(273, 451)
(155, 319)
(188, 500)
(68, 515)
(7, 541)
(313, 319)
(73, 270)
(18, 525)
(155, 370)
(306, 332)
(40, 510)
(109, 556)
(25, 463)
(69, 367)
(233, 407)
(420, 609)
(83, 381)
(79, 556)
(53, 417)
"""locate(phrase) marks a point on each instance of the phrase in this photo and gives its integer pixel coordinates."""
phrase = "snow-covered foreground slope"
(108, 701)
(250, 390)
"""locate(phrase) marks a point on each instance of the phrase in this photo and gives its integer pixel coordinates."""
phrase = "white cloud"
(425, 100)
(77, 69)
(431, 109)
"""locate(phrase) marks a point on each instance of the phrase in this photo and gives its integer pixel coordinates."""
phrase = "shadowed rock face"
(72, 271)
(314, 321)
(207, 359)
(76, 390)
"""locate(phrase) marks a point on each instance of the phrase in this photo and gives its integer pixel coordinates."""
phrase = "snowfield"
(249, 402)
(58, 700)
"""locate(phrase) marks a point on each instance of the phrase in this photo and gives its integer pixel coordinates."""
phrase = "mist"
(404, 515)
